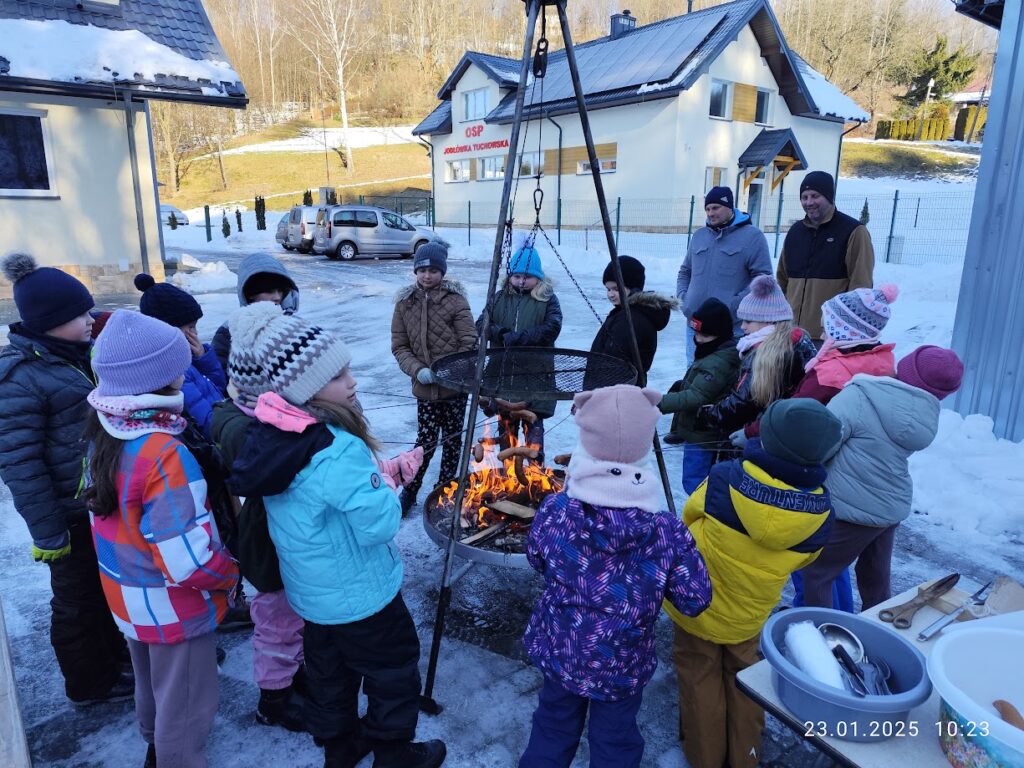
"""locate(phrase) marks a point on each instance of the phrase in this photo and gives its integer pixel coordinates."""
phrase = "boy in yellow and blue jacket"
(755, 520)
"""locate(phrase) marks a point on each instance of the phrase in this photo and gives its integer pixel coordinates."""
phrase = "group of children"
(150, 545)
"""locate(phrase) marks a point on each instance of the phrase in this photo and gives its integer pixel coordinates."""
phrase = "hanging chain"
(568, 271)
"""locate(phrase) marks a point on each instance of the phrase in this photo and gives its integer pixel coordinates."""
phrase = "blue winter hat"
(526, 261)
(431, 254)
(46, 297)
(167, 302)
(719, 196)
(137, 354)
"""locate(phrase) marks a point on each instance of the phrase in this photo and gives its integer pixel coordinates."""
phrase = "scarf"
(751, 341)
(129, 416)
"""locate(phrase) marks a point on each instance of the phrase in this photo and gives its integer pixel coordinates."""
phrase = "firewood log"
(485, 534)
(507, 507)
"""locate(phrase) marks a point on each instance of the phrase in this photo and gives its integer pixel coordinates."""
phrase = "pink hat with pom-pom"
(765, 302)
(860, 314)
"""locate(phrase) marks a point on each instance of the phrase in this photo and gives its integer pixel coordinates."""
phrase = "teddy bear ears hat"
(617, 423)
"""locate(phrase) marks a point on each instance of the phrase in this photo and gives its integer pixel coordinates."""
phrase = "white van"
(301, 228)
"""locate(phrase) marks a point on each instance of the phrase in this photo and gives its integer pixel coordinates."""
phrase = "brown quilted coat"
(426, 326)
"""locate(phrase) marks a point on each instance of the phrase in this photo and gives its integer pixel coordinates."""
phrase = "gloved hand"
(509, 338)
(51, 549)
(425, 376)
(401, 469)
(738, 438)
(496, 332)
(703, 418)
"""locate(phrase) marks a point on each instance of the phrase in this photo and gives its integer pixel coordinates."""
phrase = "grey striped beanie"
(272, 351)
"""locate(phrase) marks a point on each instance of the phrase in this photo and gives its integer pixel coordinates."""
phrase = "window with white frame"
(476, 104)
(715, 176)
(456, 170)
(761, 113)
(721, 94)
(530, 164)
(26, 154)
(608, 165)
(491, 168)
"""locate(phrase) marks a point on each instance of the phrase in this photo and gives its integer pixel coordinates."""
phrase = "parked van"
(347, 231)
(301, 226)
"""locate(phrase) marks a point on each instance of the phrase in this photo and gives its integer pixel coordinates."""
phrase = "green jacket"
(707, 381)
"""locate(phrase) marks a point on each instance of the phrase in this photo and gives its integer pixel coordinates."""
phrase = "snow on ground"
(968, 493)
(316, 139)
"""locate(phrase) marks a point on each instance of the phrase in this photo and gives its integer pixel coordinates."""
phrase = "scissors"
(901, 616)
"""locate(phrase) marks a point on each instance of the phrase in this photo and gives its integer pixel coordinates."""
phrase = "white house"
(676, 107)
(78, 185)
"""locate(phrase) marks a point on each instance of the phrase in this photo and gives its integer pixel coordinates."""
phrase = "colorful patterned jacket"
(606, 572)
(164, 572)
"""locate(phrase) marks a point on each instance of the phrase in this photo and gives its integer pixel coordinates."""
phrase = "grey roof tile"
(770, 143)
(437, 122)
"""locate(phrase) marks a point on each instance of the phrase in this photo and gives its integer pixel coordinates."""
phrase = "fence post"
(778, 226)
(892, 225)
(689, 226)
(558, 221)
(918, 211)
(399, 201)
(361, 202)
(209, 231)
(618, 214)
(469, 222)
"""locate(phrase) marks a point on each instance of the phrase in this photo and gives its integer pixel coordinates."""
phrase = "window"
(396, 222)
(492, 167)
(608, 165)
(714, 177)
(345, 219)
(530, 164)
(26, 157)
(476, 104)
(761, 113)
(456, 170)
(720, 106)
(367, 219)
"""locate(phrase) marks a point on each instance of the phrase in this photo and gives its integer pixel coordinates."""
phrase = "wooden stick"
(507, 507)
(485, 534)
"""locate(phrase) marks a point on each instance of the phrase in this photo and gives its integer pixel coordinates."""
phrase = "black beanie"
(800, 430)
(633, 274)
(46, 297)
(166, 302)
(820, 182)
(719, 196)
(713, 318)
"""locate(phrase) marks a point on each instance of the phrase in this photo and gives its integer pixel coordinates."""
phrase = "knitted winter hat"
(611, 465)
(719, 196)
(431, 254)
(137, 354)
(936, 370)
(800, 430)
(860, 314)
(45, 297)
(633, 274)
(766, 303)
(526, 261)
(712, 318)
(166, 302)
(820, 182)
(296, 359)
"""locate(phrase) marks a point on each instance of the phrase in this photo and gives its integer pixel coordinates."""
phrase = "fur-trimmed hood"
(453, 286)
(652, 300)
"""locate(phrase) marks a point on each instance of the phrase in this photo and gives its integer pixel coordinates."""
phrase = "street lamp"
(924, 111)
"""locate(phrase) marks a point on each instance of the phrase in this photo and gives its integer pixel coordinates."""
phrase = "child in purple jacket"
(609, 556)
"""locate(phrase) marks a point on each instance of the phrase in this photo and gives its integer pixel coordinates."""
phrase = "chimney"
(621, 24)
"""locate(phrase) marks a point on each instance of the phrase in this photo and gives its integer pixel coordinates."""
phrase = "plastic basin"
(971, 668)
(836, 712)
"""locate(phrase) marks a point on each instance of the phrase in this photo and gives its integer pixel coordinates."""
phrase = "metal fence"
(906, 227)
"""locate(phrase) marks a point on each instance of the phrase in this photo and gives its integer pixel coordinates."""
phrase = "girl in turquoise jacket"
(333, 519)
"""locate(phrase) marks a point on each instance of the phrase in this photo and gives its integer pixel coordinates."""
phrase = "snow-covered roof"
(161, 49)
(827, 97)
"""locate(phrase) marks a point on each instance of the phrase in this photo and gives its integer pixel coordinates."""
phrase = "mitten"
(401, 469)
(425, 376)
(51, 549)
(738, 438)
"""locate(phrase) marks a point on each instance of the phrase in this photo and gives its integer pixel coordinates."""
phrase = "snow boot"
(150, 757)
(238, 615)
(409, 754)
(346, 753)
(123, 688)
(282, 707)
(408, 500)
(299, 681)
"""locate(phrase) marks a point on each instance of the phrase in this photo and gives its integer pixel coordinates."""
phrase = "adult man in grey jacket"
(722, 259)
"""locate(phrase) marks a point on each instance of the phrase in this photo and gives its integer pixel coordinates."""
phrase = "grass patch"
(871, 159)
(274, 173)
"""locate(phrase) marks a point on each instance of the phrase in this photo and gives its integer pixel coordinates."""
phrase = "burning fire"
(516, 478)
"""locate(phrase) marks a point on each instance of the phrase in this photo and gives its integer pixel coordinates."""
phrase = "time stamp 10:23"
(886, 729)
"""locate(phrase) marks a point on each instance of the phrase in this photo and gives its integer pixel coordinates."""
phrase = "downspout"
(433, 204)
(558, 177)
(839, 152)
(156, 188)
(133, 161)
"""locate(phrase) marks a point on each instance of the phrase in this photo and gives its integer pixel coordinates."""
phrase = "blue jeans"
(697, 461)
(842, 591)
(615, 740)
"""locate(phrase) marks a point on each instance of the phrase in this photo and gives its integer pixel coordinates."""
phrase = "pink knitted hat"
(936, 370)
(766, 303)
(860, 314)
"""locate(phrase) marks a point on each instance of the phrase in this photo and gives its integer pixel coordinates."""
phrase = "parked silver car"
(347, 231)
(282, 231)
(301, 224)
(166, 211)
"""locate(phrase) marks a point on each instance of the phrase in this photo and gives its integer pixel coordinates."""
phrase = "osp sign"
(472, 131)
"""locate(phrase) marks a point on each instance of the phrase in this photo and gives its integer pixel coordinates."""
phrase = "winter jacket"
(334, 528)
(256, 264)
(164, 571)
(204, 386)
(884, 422)
(755, 520)
(518, 319)
(426, 326)
(708, 380)
(720, 263)
(837, 366)
(820, 262)
(42, 416)
(738, 408)
(606, 572)
(650, 313)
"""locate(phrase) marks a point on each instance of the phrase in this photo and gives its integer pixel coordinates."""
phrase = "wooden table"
(905, 751)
